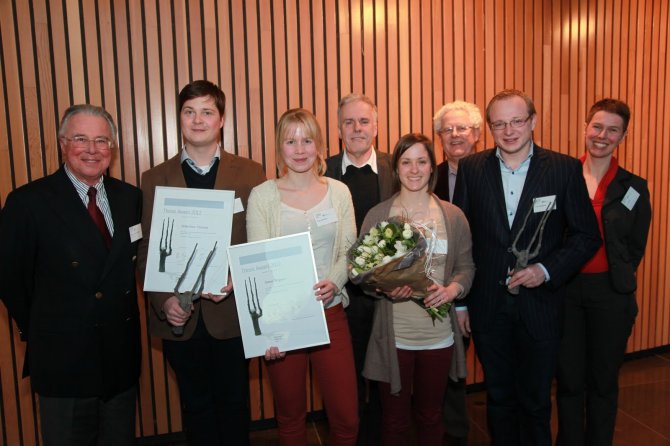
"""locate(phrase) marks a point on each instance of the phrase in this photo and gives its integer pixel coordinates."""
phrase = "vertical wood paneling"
(410, 56)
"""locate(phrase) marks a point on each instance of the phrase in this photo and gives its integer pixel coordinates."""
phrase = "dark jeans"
(89, 421)
(359, 316)
(213, 379)
(518, 370)
(598, 322)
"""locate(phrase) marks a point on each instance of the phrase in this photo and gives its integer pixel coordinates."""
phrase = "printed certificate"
(276, 305)
(188, 226)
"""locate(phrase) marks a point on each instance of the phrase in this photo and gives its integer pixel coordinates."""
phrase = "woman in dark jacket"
(600, 306)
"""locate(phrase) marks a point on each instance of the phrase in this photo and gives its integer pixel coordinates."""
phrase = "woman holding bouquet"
(409, 352)
(302, 199)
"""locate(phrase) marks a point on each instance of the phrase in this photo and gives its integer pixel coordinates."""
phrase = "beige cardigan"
(381, 361)
(263, 213)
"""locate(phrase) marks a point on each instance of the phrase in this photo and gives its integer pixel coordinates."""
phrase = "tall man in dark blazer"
(368, 174)
(458, 125)
(67, 277)
(208, 358)
(506, 193)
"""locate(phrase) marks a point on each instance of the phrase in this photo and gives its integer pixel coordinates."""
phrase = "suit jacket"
(234, 173)
(570, 237)
(625, 230)
(384, 172)
(73, 300)
(442, 184)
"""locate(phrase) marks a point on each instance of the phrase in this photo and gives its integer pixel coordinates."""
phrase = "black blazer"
(570, 238)
(625, 230)
(442, 183)
(73, 300)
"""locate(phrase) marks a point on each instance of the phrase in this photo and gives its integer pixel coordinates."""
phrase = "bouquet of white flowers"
(395, 253)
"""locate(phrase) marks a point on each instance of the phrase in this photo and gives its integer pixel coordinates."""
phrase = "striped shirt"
(101, 197)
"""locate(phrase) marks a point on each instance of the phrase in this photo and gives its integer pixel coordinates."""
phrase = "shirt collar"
(199, 169)
(530, 154)
(80, 185)
(372, 161)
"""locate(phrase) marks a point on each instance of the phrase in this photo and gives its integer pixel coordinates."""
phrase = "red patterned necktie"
(98, 218)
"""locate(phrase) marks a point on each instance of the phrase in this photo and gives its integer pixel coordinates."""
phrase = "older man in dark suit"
(208, 358)
(532, 229)
(369, 175)
(67, 277)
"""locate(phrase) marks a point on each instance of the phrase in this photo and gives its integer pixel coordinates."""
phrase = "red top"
(598, 263)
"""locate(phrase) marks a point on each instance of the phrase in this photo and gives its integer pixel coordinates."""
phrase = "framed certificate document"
(190, 231)
(273, 281)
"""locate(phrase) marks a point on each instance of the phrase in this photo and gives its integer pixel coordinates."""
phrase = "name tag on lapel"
(541, 204)
(135, 232)
(630, 198)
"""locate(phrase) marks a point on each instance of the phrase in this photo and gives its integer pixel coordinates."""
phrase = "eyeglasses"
(514, 123)
(462, 129)
(82, 142)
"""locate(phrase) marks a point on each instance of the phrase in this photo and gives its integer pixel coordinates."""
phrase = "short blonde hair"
(291, 118)
(474, 115)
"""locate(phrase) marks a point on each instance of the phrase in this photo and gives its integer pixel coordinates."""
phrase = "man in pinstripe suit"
(505, 192)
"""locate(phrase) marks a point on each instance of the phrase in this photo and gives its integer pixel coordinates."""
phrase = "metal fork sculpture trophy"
(523, 256)
(254, 306)
(165, 244)
(187, 298)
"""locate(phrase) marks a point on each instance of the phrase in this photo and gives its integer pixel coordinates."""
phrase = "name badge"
(440, 246)
(325, 217)
(238, 206)
(630, 198)
(135, 232)
(541, 204)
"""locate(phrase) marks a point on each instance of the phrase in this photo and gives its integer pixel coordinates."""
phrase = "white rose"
(369, 240)
(383, 224)
(407, 227)
(400, 248)
(360, 261)
(386, 259)
(374, 232)
(382, 244)
(407, 233)
(374, 249)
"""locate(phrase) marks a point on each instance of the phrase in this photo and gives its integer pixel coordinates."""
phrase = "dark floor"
(643, 419)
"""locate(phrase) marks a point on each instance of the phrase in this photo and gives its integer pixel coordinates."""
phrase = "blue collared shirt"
(512, 182)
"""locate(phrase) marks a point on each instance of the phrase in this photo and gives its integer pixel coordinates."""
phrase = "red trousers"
(423, 376)
(333, 366)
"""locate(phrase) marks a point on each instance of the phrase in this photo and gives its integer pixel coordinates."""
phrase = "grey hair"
(87, 109)
(474, 115)
(354, 97)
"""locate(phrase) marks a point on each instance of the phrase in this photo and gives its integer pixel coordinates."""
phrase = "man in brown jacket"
(208, 359)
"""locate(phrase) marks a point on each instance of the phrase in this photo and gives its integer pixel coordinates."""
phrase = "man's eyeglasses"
(514, 123)
(82, 142)
(462, 129)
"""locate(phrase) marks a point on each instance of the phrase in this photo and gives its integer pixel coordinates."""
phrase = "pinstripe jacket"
(570, 237)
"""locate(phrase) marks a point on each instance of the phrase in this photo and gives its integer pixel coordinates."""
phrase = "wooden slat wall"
(410, 56)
